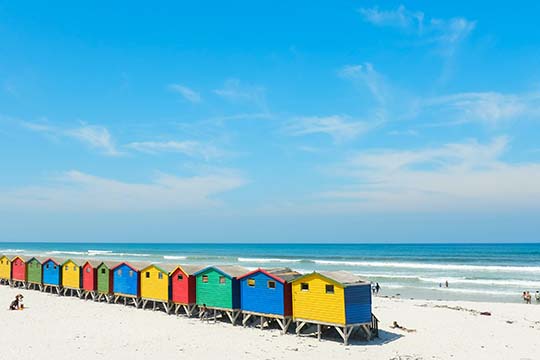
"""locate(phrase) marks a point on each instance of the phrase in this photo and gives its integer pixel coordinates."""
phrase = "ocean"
(477, 272)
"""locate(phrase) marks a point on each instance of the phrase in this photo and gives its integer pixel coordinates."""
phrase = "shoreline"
(443, 330)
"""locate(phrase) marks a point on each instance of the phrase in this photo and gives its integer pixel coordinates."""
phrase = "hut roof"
(109, 264)
(137, 266)
(57, 261)
(78, 262)
(93, 263)
(280, 274)
(343, 278)
(191, 269)
(39, 259)
(22, 257)
(232, 271)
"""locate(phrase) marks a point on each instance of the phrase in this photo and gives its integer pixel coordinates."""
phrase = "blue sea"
(478, 272)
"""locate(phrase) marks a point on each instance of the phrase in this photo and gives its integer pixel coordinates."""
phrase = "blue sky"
(352, 121)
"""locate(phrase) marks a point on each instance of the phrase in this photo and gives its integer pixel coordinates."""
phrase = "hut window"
(67, 268)
(103, 271)
(251, 282)
(222, 279)
(87, 269)
(160, 276)
(271, 284)
(147, 274)
(47, 266)
(304, 286)
(130, 273)
(180, 277)
(120, 272)
(74, 268)
(54, 267)
(329, 289)
(205, 278)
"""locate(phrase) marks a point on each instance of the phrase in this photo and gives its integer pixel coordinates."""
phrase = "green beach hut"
(104, 286)
(34, 273)
(218, 289)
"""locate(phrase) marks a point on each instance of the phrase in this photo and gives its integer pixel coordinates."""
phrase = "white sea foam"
(11, 251)
(57, 252)
(268, 260)
(456, 267)
(99, 252)
(173, 257)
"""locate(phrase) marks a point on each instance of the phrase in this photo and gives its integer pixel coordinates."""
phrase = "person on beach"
(377, 288)
(527, 297)
(446, 283)
(537, 296)
(373, 288)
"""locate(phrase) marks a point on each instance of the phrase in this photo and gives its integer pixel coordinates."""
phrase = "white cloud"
(490, 108)
(236, 91)
(340, 128)
(187, 93)
(81, 192)
(456, 176)
(97, 137)
(367, 74)
(189, 148)
(447, 33)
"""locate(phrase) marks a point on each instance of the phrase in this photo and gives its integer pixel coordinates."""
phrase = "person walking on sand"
(377, 288)
(528, 297)
(446, 283)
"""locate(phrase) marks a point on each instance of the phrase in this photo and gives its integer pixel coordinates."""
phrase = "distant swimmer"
(446, 283)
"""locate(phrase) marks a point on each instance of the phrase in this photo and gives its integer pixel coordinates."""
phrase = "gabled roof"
(108, 264)
(56, 261)
(23, 258)
(39, 259)
(191, 269)
(4, 256)
(230, 271)
(93, 263)
(77, 262)
(135, 266)
(281, 275)
(342, 278)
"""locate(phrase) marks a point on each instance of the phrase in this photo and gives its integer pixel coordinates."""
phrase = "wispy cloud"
(366, 74)
(186, 92)
(446, 33)
(189, 148)
(489, 108)
(456, 176)
(81, 192)
(340, 128)
(96, 137)
(236, 91)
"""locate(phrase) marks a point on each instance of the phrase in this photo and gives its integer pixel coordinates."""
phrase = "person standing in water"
(377, 288)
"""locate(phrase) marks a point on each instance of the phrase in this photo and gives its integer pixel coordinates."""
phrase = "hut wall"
(125, 280)
(213, 293)
(152, 286)
(71, 275)
(51, 273)
(33, 271)
(315, 303)
(88, 277)
(183, 290)
(104, 279)
(260, 297)
(18, 269)
(358, 304)
(5, 268)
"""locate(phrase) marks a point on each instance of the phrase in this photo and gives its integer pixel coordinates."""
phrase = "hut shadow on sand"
(357, 337)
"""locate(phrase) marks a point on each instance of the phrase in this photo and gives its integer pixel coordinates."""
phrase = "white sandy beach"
(64, 327)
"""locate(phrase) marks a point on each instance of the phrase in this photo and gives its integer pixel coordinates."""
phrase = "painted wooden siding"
(5, 268)
(51, 273)
(104, 279)
(260, 298)
(214, 294)
(152, 286)
(18, 269)
(125, 281)
(33, 271)
(71, 275)
(315, 304)
(358, 304)
(88, 277)
(183, 291)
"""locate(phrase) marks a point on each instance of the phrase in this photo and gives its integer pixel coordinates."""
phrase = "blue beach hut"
(52, 275)
(267, 294)
(126, 282)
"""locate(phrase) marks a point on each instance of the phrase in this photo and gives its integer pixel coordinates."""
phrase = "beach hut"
(155, 286)
(337, 299)
(126, 282)
(218, 288)
(183, 287)
(34, 273)
(104, 281)
(52, 275)
(267, 294)
(18, 271)
(89, 278)
(71, 278)
(5, 270)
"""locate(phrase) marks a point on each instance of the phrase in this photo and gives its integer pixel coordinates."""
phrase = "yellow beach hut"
(337, 299)
(5, 270)
(155, 286)
(71, 278)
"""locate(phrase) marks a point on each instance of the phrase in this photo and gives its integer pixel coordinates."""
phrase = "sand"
(67, 327)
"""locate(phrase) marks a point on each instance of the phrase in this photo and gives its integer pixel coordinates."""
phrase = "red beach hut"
(89, 278)
(18, 270)
(183, 293)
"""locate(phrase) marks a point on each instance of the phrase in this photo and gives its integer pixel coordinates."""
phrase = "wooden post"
(319, 332)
